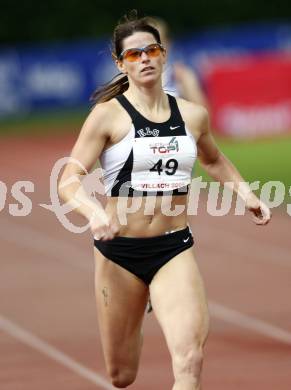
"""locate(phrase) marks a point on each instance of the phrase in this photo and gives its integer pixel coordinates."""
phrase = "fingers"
(261, 215)
(103, 234)
(104, 230)
(114, 227)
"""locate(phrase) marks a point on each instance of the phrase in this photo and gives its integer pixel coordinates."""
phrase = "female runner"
(147, 142)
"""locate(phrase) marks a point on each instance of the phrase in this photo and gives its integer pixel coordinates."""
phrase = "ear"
(120, 66)
(118, 63)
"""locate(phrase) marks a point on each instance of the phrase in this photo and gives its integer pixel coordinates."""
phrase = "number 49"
(171, 167)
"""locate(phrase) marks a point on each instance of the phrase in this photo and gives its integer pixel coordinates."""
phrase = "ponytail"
(110, 90)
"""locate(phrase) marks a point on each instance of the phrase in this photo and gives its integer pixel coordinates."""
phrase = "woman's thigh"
(121, 300)
(179, 302)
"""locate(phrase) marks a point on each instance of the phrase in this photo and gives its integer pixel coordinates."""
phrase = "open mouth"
(148, 68)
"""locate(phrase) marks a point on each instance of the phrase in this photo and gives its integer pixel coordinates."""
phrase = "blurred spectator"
(178, 79)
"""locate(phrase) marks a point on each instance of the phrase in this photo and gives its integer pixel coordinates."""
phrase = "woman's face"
(147, 70)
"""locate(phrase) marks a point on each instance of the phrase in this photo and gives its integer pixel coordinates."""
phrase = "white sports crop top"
(152, 159)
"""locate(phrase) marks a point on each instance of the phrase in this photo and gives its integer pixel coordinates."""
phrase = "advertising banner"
(250, 96)
(246, 72)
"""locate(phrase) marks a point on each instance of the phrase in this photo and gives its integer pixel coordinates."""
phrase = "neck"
(151, 98)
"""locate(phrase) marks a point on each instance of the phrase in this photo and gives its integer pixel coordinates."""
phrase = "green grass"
(262, 160)
(44, 122)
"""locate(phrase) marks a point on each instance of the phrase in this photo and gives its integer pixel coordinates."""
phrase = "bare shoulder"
(96, 131)
(102, 117)
(195, 116)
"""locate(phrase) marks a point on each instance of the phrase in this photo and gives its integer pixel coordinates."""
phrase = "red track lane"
(47, 289)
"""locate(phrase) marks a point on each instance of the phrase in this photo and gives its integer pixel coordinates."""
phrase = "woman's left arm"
(221, 169)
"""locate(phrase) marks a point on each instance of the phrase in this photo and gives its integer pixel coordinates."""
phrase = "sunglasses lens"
(132, 55)
(153, 50)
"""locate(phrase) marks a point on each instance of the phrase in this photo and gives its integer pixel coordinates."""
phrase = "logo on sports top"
(174, 127)
(148, 132)
(163, 148)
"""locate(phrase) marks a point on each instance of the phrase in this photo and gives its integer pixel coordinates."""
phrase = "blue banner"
(65, 75)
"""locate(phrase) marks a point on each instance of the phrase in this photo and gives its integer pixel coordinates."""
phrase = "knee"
(187, 361)
(121, 377)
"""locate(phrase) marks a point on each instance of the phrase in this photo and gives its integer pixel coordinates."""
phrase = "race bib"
(162, 163)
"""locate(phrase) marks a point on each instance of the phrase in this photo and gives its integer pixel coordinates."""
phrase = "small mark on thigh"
(105, 295)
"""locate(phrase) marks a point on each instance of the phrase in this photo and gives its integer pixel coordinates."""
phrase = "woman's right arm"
(87, 149)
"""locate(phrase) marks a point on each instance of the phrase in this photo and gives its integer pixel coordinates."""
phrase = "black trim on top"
(133, 113)
(124, 176)
(175, 112)
(174, 126)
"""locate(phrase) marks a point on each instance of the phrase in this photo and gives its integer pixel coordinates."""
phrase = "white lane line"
(30, 238)
(48, 350)
(244, 321)
(217, 310)
(274, 254)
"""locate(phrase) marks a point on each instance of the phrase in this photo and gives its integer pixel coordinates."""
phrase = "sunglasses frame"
(141, 50)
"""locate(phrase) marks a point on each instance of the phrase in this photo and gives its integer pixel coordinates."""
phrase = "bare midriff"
(148, 216)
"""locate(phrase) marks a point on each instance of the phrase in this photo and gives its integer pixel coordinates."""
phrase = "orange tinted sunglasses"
(134, 54)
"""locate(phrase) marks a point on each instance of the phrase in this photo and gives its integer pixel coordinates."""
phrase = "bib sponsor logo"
(158, 186)
(163, 148)
(148, 132)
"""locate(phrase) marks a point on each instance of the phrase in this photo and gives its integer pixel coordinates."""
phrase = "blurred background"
(52, 57)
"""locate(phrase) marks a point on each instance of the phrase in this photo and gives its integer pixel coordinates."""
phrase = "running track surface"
(48, 323)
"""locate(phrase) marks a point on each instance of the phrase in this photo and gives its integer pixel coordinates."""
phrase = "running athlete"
(147, 142)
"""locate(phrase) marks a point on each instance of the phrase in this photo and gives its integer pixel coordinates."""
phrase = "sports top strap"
(134, 114)
(128, 107)
(175, 112)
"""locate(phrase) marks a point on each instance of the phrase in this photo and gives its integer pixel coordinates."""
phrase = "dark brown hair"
(127, 26)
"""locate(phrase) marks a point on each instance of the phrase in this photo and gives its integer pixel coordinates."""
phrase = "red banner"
(250, 96)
